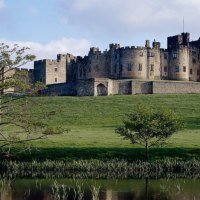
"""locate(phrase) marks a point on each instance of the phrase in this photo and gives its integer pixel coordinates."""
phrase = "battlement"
(132, 48)
(177, 40)
(163, 50)
(180, 61)
(195, 43)
(114, 46)
(94, 50)
(25, 69)
(156, 44)
(39, 62)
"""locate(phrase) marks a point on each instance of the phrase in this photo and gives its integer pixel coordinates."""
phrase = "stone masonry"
(125, 70)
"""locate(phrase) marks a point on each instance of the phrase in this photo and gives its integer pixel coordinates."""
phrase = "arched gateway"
(102, 90)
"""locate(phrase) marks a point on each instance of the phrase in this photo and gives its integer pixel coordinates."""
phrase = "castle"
(125, 70)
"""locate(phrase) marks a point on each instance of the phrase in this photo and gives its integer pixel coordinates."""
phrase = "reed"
(100, 169)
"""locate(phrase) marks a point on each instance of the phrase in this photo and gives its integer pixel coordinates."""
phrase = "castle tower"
(114, 60)
(153, 61)
(178, 57)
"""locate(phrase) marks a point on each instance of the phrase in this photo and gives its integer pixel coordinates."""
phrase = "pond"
(90, 189)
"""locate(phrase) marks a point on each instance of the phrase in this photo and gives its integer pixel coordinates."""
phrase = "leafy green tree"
(20, 124)
(149, 127)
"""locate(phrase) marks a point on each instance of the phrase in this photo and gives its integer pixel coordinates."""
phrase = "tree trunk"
(146, 188)
(147, 151)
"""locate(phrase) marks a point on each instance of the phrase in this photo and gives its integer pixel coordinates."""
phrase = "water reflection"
(69, 189)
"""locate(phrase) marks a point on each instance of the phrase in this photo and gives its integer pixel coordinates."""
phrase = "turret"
(61, 57)
(178, 61)
(156, 44)
(114, 46)
(178, 40)
(147, 44)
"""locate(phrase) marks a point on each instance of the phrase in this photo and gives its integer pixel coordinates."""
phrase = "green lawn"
(92, 121)
(108, 112)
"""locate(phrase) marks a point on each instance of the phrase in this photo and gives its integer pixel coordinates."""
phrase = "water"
(88, 189)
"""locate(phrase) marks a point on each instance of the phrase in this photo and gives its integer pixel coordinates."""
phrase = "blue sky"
(49, 27)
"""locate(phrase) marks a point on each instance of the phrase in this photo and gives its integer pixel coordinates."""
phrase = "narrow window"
(140, 67)
(184, 68)
(174, 55)
(198, 72)
(121, 68)
(150, 54)
(152, 68)
(177, 69)
(190, 71)
(165, 56)
(129, 67)
(141, 53)
(56, 69)
(194, 60)
(56, 80)
(115, 69)
(165, 69)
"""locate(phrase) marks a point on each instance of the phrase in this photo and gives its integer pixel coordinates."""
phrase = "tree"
(19, 123)
(149, 127)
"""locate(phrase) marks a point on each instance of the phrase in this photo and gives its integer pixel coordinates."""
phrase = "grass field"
(92, 121)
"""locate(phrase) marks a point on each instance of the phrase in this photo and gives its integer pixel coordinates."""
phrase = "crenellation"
(179, 61)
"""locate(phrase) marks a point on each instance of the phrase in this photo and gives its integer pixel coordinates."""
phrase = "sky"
(50, 27)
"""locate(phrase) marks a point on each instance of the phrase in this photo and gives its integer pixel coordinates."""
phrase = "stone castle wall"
(73, 88)
(142, 87)
(9, 72)
(112, 72)
(175, 87)
(105, 87)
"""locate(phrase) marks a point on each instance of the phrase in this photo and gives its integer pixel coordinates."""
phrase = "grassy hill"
(108, 112)
(92, 121)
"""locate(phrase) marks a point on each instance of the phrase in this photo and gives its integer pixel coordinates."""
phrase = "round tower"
(133, 62)
(178, 61)
(179, 64)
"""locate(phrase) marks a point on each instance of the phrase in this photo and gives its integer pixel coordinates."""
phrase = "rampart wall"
(106, 87)
(171, 87)
(73, 88)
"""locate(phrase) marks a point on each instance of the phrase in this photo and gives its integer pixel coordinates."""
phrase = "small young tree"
(149, 127)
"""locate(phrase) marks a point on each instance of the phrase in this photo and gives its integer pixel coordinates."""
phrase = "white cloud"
(50, 50)
(2, 4)
(127, 18)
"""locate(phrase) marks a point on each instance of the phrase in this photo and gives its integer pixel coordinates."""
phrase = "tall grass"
(100, 169)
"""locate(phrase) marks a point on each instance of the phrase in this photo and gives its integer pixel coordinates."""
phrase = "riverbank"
(100, 169)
